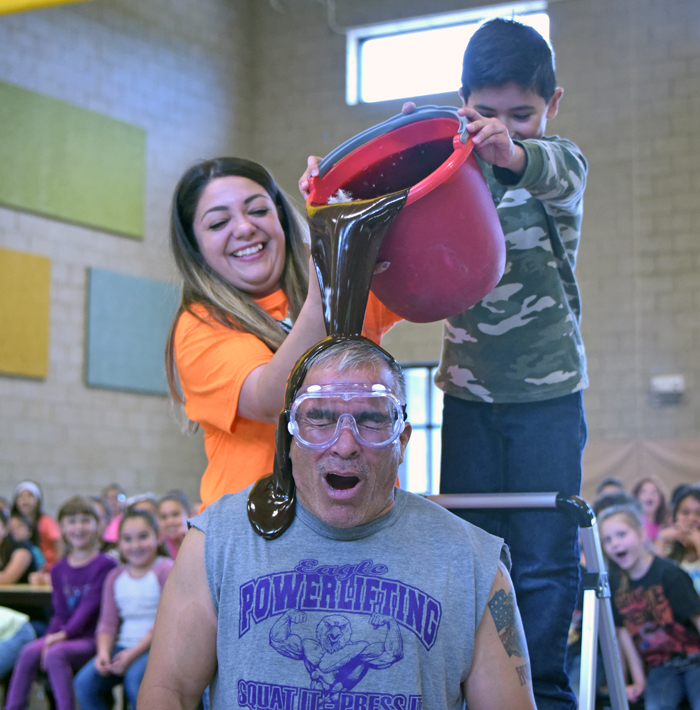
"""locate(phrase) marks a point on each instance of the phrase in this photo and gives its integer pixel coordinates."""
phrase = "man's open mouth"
(341, 483)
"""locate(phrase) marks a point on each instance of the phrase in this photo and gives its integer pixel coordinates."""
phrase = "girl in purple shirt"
(69, 642)
(129, 604)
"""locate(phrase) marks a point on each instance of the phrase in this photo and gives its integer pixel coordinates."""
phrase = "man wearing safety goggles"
(327, 587)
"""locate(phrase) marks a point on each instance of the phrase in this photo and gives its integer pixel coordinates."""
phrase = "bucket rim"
(420, 113)
(353, 148)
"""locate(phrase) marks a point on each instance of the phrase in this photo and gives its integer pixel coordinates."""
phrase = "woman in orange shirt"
(248, 312)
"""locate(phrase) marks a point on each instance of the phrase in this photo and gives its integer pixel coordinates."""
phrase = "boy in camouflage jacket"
(513, 366)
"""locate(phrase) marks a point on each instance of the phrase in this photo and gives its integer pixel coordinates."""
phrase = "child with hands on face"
(77, 581)
(680, 541)
(129, 604)
(656, 611)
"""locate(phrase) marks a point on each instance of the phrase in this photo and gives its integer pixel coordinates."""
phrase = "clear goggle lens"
(373, 414)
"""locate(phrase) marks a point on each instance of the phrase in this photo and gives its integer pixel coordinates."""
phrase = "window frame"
(355, 36)
(431, 426)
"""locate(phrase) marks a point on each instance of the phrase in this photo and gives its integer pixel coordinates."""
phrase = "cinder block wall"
(179, 70)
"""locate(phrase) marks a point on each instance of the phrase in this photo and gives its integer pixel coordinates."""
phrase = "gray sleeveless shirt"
(380, 616)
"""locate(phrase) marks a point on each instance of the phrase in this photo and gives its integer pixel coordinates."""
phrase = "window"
(421, 56)
(420, 470)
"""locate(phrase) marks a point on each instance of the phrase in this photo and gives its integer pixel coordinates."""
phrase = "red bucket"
(446, 246)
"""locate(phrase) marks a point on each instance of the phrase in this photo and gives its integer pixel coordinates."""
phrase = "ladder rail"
(597, 620)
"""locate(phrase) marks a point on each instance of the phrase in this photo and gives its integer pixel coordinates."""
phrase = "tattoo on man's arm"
(523, 673)
(502, 608)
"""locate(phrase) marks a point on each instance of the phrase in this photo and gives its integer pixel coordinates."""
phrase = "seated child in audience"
(656, 611)
(18, 565)
(16, 630)
(173, 511)
(681, 541)
(22, 530)
(103, 514)
(27, 500)
(609, 485)
(650, 493)
(144, 501)
(16, 559)
(678, 491)
(115, 498)
(129, 604)
(77, 581)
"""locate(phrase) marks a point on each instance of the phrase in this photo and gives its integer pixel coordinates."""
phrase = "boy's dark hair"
(501, 52)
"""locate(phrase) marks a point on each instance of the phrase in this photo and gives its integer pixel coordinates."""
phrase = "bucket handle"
(420, 113)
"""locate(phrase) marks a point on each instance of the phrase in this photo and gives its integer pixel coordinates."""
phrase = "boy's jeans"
(519, 448)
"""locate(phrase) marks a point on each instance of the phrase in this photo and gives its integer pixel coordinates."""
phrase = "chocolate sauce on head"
(272, 500)
(345, 240)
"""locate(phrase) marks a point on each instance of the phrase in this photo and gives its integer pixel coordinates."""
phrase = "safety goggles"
(371, 411)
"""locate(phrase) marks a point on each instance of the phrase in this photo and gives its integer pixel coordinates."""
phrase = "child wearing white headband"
(27, 500)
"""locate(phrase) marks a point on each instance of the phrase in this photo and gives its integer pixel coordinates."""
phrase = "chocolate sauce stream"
(345, 241)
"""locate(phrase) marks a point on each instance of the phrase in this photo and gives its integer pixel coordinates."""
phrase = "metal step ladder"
(597, 622)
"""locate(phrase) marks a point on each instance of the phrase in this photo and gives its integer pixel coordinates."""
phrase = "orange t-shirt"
(212, 363)
(49, 534)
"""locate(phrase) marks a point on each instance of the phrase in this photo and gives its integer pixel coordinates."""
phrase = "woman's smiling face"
(240, 236)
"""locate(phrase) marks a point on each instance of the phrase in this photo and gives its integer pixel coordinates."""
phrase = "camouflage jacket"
(522, 343)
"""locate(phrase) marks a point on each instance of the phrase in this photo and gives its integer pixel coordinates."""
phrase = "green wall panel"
(66, 162)
(129, 318)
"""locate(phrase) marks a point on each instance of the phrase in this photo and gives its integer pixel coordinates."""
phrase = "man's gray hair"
(347, 355)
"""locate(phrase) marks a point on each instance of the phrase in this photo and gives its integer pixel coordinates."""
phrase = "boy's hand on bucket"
(311, 170)
(408, 107)
(492, 142)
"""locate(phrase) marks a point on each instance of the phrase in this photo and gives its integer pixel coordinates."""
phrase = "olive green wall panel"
(66, 162)
(24, 313)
